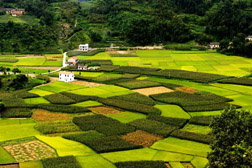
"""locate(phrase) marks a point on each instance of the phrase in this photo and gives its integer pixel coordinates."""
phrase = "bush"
(84, 137)
(153, 127)
(110, 144)
(141, 164)
(131, 106)
(237, 81)
(43, 77)
(207, 139)
(58, 98)
(202, 120)
(136, 84)
(52, 127)
(136, 97)
(102, 124)
(179, 122)
(61, 162)
(63, 108)
(17, 113)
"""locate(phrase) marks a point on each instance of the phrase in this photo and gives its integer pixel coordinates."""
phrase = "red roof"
(75, 58)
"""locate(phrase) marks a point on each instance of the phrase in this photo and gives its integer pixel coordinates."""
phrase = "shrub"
(136, 84)
(58, 98)
(17, 113)
(131, 106)
(110, 144)
(141, 164)
(84, 137)
(201, 120)
(63, 108)
(102, 124)
(238, 81)
(52, 127)
(136, 97)
(153, 127)
(179, 122)
(61, 162)
(207, 139)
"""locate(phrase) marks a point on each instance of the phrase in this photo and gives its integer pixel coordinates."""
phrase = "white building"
(249, 38)
(82, 67)
(214, 45)
(83, 47)
(66, 76)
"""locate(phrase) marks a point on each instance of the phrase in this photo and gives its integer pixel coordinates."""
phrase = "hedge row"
(136, 84)
(179, 122)
(62, 108)
(82, 53)
(110, 144)
(136, 70)
(17, 113)
(96, 62)
(187, 99)
(52, 127)
(207, 139)
(202, 120)
(141, 164)
(102, 124)
(16, 103)
(84, 137)
(237, 81)
(58, 98)
(12, 60)
(108, 68)
(123, 55)
(131, 106)
(153, 127)
(210, 107)
(17, 94)
(61, 162)
(136, 97)
(170, 85)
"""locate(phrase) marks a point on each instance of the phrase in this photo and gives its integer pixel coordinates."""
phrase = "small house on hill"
(83, 47)
(214, 45)
(66, 76)
(249, 38)
(13, 12)
(82, 67)
(72, 61)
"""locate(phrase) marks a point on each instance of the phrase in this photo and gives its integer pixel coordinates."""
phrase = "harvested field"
(31, 150)
(104, 110)
(141, 138)
(153, 90)
(84, 83)
(186, 90)
(44, 115)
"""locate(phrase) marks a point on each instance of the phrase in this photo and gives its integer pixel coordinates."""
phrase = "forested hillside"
(56, 25)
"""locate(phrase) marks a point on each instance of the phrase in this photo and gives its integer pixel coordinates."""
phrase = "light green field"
(25, 19)
(53, 63)
(237, 88)
(94, 161)
(182, 146)
(176, 164)
(205, 113)
(30, 61)
(66, 147)
(16, 131)
(87, 104)
(59, 86)
(5, 157)
(199, 162)
(173, 111)
(40, 92)
(34, 164)
(126, 117)
(38, 100)
(197, 129)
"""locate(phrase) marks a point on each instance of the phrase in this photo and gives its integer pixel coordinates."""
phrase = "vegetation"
(143, 164)
(61, 162)
(59, 99)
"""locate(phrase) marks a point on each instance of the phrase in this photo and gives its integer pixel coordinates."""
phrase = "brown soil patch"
(188, 165)
(16, 165)
(43, 115)
(186, 90)
(153, 90)
(49, 68)
(168, 165)
(141, 138)
(29, 151)
(84, 83)
(104, 110)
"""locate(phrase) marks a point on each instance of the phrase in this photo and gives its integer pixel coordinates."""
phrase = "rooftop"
(65, 72)
(214, 43)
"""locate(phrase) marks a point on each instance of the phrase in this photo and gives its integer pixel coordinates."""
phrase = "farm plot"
(29, 150)
(5, 157)
(88, 104)
(173, 111)
(44, 115)
(153, 90)
(104, 110)
(60, 87)
(38, 100)
(30, 61)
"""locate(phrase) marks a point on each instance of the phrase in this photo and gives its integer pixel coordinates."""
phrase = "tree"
(19, 82)
(16, 70)
(232, 132)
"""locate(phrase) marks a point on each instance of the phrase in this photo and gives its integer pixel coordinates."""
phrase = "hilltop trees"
(232, 140)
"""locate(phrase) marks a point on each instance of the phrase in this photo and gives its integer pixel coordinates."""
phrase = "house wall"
(66, 77)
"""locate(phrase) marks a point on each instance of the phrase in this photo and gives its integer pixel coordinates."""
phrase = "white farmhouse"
(249, 38)
(66, 76)
(214, 45)
(83, 47)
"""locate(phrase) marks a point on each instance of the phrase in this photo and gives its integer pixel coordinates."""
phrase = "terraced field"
(97, 126)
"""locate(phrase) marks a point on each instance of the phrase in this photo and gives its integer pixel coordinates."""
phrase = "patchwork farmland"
(150, 108)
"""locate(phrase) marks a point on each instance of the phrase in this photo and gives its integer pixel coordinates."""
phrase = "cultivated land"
(137, 115)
